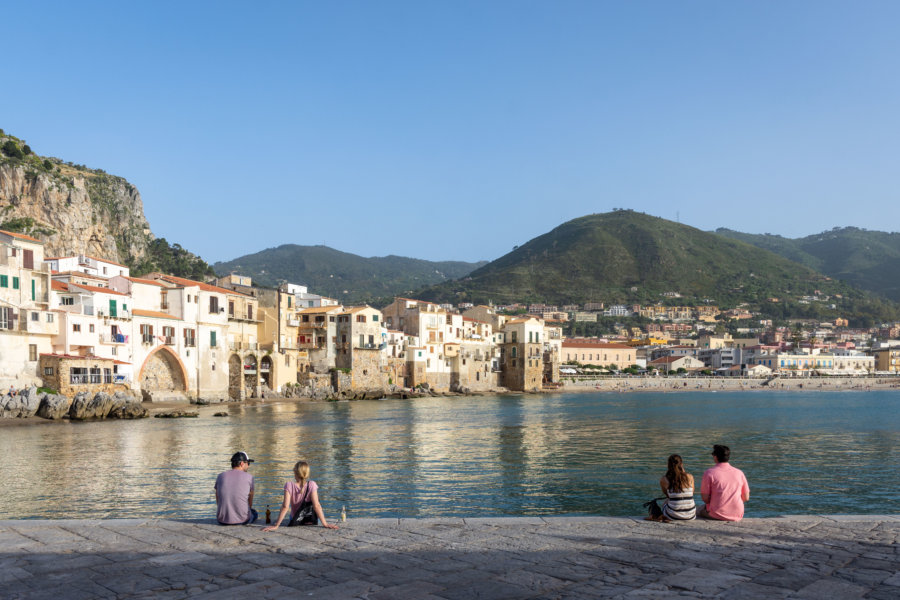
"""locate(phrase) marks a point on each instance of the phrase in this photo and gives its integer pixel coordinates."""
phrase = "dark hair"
(677, 477)
(722, 453)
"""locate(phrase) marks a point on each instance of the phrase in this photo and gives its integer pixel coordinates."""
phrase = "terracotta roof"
(146, 281)
(21, 236)
(101, 290)
(152, 313)
(669, 359)
(59, 286)
(206, 287)
(355, 309)
(76, 357)
(319, 309)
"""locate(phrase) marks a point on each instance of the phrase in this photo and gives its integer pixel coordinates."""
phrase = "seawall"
(840, 556)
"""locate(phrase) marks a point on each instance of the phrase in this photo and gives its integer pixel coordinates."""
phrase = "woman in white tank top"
(678, 486)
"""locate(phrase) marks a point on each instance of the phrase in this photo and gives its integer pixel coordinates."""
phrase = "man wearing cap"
(234, 493)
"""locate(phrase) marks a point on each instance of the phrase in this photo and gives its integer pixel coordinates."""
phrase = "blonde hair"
(301, 472)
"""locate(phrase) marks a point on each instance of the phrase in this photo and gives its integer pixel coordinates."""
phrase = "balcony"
(109, 338)
(293, 323)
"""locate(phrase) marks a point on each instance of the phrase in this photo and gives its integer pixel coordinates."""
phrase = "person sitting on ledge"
(302, 496)
(678, 486)
(234, 493)
(724, 489)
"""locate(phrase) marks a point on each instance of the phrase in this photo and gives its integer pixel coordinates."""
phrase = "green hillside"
(347, 277)
(629, 257)
(868, 260)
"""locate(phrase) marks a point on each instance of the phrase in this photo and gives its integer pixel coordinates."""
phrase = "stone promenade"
(455, 559)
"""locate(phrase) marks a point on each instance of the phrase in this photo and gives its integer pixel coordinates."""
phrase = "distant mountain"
(629, 257)
(869, 260)
(341, 275)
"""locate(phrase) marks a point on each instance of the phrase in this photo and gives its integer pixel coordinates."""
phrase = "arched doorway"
(251, 374)
(265, 371)
(235, 373)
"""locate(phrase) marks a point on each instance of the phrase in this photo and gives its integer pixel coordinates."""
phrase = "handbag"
(654, 509)
(306, 514)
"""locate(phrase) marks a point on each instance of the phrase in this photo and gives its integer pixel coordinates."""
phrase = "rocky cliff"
(73, 209)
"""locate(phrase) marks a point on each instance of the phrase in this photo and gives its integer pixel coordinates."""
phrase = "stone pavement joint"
(841, 556)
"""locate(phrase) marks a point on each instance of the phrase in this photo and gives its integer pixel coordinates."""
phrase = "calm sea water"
(567, 454)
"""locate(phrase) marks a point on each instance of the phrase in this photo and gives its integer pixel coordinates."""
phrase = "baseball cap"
(241, 457)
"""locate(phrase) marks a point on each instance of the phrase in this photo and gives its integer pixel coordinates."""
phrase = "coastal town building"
(27, 325)
(598, 354)
(887, 360)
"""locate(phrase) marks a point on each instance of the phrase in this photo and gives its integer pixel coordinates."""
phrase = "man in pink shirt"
(724, 489)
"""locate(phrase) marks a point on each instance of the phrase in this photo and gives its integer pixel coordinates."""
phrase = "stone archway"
(163, 376)
(235, 374)
(265, 371)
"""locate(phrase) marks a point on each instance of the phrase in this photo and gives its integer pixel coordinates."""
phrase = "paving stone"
(549, 557)
(831, 588)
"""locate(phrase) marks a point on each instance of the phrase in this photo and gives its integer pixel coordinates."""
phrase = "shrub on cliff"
(12, 150)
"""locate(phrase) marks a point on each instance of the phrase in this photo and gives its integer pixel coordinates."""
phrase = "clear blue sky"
(456, 130)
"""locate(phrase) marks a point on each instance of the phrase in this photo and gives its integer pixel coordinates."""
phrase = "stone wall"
(366, 372)
(61, 380)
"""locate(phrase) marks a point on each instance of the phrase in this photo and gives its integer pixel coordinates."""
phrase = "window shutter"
(28, 259)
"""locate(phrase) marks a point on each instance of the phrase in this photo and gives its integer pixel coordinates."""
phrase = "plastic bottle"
(343, 514)
(268, 515)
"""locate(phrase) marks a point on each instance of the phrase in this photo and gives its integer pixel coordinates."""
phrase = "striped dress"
(680, 505)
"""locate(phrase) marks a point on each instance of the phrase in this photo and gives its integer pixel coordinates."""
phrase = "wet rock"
(130, 409)
(54, 406)
(201, 402)
(84, 407)
(177, 414)
(21, 405)
(220, 414)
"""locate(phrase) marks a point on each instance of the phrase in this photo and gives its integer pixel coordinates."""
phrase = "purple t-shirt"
(234, 489)
(299, 494)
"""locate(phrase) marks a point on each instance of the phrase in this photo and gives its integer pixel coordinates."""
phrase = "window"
(48, 370)
(95, 375)
(32, 352)
(360, 318)
(91, 328)
(189, 338)
(7, 318)
(76, 327)
(114, 351)
(28, 258)
(289, 301)
(147, 334)
(250, 312)
(35, 316)
(67, 301)
(213, 305)
(169, 334)
(230, 308)
(212, 339)
(374, 318)
(49, 317)
(107, 373)
(4, 281)
(78, 375)
(15, 283)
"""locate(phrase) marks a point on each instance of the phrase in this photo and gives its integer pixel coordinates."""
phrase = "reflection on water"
(491, 455)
